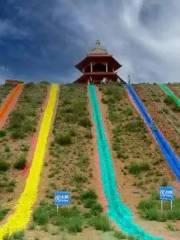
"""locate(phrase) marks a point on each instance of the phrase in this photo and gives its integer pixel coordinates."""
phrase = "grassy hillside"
(15, 141)
(69, 168)
(163, 111)
(70, 161)
(137, 155)
(4, 90)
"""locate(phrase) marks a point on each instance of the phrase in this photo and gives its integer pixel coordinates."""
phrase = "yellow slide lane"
(24, 206)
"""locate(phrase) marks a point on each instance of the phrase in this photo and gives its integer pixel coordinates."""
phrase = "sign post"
(167, 194)
(61, 199)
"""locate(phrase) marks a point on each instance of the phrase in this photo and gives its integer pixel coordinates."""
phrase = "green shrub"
(4, 166)
(137, 168)
(79, 178)
(88, 195)
(150, 209)
(144, 204)
(119, 235)
(89, 200)
(16, 119)
(100, 223)
(75, 224)
(135, 125)
(3, 213)
(17, 134)
(69, 219)
(128, 111)
(96, 208)
(20, 163)
(40, 215)
(2, 133)
(15, 236)
(169, 100)
(63, 139)
(85, 122)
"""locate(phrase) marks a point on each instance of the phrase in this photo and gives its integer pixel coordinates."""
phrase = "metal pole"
(57, 209)
(161, 205)
(171, 205)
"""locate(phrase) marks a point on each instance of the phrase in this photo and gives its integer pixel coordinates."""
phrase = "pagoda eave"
(95, 57)
(97, 77)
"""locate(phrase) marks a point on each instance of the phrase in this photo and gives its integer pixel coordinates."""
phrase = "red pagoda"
(98, 66)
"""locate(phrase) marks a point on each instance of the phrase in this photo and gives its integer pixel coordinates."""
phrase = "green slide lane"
(121, 215)
(170, 93)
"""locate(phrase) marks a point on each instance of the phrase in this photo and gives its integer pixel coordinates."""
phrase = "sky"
(44, 39)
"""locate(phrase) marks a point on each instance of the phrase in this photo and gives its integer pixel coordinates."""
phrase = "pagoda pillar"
(106, 67)
(91, 67)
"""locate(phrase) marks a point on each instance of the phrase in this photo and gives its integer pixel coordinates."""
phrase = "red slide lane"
(9, 103)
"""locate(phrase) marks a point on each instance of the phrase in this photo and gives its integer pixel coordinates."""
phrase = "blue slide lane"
(117, 210)
(171, 157)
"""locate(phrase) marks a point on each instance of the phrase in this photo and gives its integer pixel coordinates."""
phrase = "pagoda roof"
(98, 50)
(98, 53)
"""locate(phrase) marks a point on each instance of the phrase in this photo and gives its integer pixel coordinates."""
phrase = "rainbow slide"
(170, 93)
(167, 151)
(118, 211)
(21, 214)
(9, 102)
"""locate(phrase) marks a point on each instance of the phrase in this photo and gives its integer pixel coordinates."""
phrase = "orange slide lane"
(9, 103)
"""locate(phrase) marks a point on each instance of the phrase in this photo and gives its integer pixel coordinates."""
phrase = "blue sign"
(62, 198)
(167, 193)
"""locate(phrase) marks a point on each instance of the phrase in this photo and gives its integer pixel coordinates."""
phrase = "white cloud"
(7, 29)
(143, 35)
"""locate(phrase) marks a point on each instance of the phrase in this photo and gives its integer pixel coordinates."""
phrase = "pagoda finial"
(98, 44)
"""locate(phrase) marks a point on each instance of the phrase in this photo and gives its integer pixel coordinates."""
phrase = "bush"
(144, 204)
(79, 178)
(20, 163)
(137, 168)
(150, 209)
(4, 166)
(119, 235)
(3, 213)
(75, 224)
(100, 223)
(63, 139)
(135, 125)
(128, 111)
(89, 200)
(85, 122)
(2, 133)
(169, 100)
(15, 236)
(70, 219)
(88, 195)
(40, 215)
(16, 119)
(17, 134)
